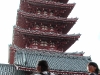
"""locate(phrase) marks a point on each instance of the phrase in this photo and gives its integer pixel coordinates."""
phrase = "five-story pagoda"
(40, 33)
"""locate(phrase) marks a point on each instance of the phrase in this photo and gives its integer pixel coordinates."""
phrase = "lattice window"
(38, 12)
(43, 43)
(51, 14)
(52, 44)
(44, 27)
(45, 13)
(37, 27)
(35, 43)
(51, 29)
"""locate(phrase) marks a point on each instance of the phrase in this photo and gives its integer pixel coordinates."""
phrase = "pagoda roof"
(68, 25)
(46, 17)
(46, 34)
(9, 69)
(51, 4)
(56, 61)
(63, 1)
(30, 4)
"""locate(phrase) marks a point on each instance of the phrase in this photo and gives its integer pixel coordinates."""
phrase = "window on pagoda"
(44, 27)
(34, 43)
(51, 29)
(37, 27)
(38, 12)
(45, 13)
(51, 14)
(52, 44)
(43, 43)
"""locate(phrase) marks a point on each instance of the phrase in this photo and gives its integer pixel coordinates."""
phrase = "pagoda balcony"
(46, 17)
(27, 20)
(46, 34)
(26, 60)
(47, 8)
(62, 42)
(14, 47)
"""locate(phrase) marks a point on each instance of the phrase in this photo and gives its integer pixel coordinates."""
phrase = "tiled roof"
(7, 69)
(42, 17)
(49, 34)
(51, 3)
(56, 61)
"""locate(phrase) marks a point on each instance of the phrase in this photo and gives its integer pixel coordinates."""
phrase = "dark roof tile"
(7, 69)
(56, 61)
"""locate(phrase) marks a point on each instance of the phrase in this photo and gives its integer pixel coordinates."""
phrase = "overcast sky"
(88, 12)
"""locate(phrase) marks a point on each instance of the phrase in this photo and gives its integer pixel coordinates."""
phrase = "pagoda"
(40, 33)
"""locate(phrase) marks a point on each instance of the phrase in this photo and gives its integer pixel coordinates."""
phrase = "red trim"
(25, 69)
(54, 71)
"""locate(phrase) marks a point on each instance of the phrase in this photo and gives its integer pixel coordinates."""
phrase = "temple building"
(40, 33)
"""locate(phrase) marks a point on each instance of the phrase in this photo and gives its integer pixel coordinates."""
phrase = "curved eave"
(53, 71)
(69, 26)
(24, 68)
(63, 1)
(51, 4)
(18, 70)
(56, 56)
(67, 46)
(45, 17)
(46, 34)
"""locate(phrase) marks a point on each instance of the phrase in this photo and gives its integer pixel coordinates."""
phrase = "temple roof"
(56, 61)
(68, 40)
(46, 17)
(24, 21)
(46, 34)
(51, 3)
(62, 1)
(8, 69)
(30, 5)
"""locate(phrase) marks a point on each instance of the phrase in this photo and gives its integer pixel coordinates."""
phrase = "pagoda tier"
(46, 8)
(25, 59)
(44, 23)
(40, 40)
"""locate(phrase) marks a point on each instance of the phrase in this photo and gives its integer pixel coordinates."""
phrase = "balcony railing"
(25, 31)
(46, 17)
